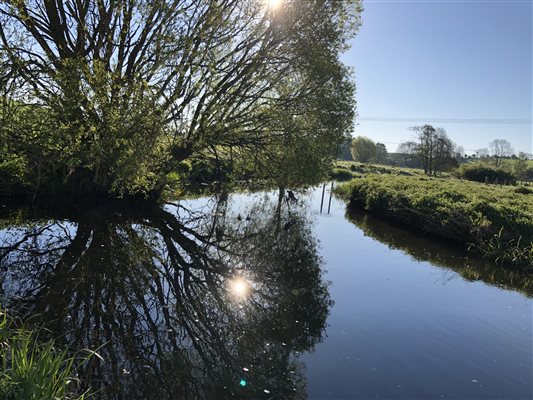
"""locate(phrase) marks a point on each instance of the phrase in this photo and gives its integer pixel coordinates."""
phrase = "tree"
(482, 153)
(363, 149)
(500, 148)
(520, 166)
(434, 148)
(408, 153)
(129, 89)
(343, 150)
(460, 153)
(381, 152)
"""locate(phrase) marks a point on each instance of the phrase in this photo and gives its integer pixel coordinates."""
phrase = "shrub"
(484, 174)
(203, 172)
(523, 190)
(341, 174)
(491, 221)
(12, 176)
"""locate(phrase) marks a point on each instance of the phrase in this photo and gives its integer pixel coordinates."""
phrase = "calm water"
(239, 296)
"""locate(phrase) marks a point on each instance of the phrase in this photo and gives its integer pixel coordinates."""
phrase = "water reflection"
(441, 253)
(181, 301)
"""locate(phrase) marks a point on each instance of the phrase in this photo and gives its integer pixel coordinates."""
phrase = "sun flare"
(239, 288)
(273, 4)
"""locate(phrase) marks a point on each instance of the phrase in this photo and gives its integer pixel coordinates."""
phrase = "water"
(240, 296)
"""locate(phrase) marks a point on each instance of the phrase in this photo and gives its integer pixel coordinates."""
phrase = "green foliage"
(341, 174)
(492, 221)
(139, 87)
(381, 153)
(377, 169)
(482, 173)
(434, 148)
(34, 370)
(523, 190)
(363, 149)
(13, 174)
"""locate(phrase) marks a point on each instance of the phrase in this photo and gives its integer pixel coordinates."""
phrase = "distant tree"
(434, 148)
(407, 152)
(482, 153)
(500, 148)
(344, 149)
(520, 166)
(407, 147)
(363, 149)
(460, 153)
(381, 152)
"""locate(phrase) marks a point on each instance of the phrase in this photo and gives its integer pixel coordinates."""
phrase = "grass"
(363, 169)
(495, 222)
(33, 369)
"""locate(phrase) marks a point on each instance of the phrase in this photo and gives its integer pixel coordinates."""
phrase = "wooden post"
(330, 196)
(322, 201)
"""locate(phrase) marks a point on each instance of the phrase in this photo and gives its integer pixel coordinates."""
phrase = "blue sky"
(439, 60)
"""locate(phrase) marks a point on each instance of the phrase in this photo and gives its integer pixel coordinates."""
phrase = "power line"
(484, 121)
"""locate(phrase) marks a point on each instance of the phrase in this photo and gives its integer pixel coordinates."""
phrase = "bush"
(341, 174)
(484, 174)
(203, 172)
(12, 176)
(523, 190)
(492, 221)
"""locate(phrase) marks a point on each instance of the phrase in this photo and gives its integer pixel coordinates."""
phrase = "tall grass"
(33, 369)
(496, 222)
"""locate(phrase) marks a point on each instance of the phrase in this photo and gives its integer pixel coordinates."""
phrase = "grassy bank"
(33, 368)
(495, 222)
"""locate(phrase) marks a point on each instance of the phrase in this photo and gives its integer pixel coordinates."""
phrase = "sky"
(444, 62)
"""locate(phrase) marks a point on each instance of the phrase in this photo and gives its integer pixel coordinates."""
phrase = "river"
(243, 296)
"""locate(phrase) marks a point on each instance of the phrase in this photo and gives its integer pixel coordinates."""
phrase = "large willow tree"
(111, 95)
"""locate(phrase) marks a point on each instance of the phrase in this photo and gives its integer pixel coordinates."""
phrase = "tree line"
(434, 152)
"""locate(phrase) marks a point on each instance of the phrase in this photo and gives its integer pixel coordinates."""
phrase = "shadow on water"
(440, 253)
(182, 302)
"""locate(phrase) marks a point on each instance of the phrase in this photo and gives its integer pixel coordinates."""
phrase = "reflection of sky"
(398, 328)
(53, 234)
(406, 329)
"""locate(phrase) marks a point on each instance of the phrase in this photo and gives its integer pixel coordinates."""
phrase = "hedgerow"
(496, 222)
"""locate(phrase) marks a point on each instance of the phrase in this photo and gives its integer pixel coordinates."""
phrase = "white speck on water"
(245, 369)
(474, 380)
(266, 391)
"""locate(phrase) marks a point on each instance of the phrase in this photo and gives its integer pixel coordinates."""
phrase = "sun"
(273, 4)
(239, 288)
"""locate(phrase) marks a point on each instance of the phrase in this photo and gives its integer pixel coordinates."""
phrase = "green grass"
(33, 369)
(363, 169)
(496, 222)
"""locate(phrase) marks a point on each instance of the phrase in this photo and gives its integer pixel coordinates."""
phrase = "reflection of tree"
(440, 253)
(151, 288)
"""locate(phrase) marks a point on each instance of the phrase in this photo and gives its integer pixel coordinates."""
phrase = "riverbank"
(33, 368)
(495, 222)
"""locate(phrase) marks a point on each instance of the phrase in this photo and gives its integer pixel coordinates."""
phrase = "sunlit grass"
(494, 221)
(33, 369)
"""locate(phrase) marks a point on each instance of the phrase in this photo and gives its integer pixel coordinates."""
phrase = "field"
(493, 221)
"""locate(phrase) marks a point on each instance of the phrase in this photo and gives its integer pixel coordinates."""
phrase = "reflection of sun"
(239, 287)
(273, 4)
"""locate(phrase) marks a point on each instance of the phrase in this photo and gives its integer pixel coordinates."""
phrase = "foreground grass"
(496, 222)
(33, 369)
